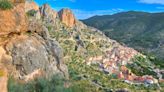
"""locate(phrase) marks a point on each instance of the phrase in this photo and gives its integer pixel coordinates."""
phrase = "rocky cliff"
(67, 17)
(26, 47)
(31, 6)
(48, 13)
(14, 20)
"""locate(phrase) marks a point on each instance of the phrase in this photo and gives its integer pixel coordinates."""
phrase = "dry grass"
(1, 73)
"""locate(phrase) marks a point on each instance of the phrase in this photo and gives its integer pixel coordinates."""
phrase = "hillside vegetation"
(140, 30)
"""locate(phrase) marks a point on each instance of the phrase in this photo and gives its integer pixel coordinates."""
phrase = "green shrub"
(141, 66)
(31, 13)
(56, 84)
(49, 28)
(13, 86)
(5, 4)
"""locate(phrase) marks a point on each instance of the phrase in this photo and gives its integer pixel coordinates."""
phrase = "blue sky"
(87, 8)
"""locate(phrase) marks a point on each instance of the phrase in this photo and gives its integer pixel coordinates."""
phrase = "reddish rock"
(31, 6)
(13, 20)
(67, 17)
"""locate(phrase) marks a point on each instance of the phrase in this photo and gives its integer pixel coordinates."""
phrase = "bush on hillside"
(31, 13)
(5, 4)
(141, 66)
(56, 84)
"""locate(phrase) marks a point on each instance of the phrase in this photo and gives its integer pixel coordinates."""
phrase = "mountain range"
(140, 30)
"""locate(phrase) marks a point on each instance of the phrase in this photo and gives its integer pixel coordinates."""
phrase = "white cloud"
(82, 14)
(152, 1)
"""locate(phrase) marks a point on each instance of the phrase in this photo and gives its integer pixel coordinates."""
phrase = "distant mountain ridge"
(140, 30)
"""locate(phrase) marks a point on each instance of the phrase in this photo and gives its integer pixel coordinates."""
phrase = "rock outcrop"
(48, 13)
(31, 6)
(26, 46)
(14, 20)
(30, 53)
(67, 17)
(51, 16)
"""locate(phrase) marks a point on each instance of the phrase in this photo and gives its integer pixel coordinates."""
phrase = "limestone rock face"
(48, 13)
(35, 50)
(32, 53)
(31, 6)
(13, 21)
(67, 17)
(26, 48)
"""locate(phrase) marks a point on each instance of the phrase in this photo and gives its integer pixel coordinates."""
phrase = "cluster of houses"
(131, 78)
(115, 61)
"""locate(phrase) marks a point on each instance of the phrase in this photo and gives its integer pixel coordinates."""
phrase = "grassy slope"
(80, 72)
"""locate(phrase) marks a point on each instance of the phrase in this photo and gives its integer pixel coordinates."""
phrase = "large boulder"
(30, 53)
